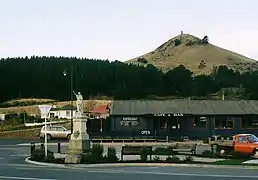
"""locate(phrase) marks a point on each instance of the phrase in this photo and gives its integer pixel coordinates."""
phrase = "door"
(242, 145)
(61, 132)
(175, 127)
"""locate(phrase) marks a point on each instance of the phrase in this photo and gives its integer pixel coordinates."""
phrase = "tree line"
(50, 77)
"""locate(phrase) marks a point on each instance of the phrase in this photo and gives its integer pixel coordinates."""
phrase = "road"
(13, 167)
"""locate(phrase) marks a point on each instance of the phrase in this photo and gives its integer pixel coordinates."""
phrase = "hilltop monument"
(80, 141)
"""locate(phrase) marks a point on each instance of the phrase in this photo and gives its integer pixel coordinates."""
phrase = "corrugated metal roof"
(102, 109)
(65, 107)
(198, 107)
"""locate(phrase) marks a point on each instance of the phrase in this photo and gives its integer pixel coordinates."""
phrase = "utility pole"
(71, 92)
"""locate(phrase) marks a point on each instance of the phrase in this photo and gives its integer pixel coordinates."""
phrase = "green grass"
(10, 127)
(231, 162)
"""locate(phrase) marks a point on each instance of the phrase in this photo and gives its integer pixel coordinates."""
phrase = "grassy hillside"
(199, 57)
(33, 109)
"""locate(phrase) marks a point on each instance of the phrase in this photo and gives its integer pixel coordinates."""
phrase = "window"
(200, 123)
(60, 128)
(52, 115)
(249, 122)
(242, 139)
(252, 138)
(163, 124)
(67, 113)
(224, 123)
(53, 128)
(48, 128)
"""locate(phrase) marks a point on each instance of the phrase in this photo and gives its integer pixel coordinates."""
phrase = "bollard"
(214, 148)
(58, 147)
(32, 148)
(41, 145)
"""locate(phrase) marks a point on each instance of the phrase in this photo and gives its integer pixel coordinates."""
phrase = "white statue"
(79, 102)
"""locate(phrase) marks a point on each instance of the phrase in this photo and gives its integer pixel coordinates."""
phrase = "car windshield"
(252, 138)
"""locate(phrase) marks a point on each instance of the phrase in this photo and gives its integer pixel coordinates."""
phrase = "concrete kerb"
(27, 160)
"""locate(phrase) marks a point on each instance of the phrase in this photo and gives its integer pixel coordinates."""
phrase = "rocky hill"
(196, 54)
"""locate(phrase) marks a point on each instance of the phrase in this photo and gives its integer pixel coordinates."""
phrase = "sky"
(122, 29)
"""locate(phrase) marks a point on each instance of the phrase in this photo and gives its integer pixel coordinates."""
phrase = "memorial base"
(79, 143)
(80, 146)
(77, 149)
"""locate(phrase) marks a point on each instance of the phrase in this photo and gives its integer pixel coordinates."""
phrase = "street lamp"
(65, 73)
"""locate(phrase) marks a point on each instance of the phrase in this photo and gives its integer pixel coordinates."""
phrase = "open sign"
(145, 132)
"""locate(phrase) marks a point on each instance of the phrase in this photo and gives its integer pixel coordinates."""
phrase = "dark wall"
(186, 125)
(236, 130)
(131, 126)
(189, 130)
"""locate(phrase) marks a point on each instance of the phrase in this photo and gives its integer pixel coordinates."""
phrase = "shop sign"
(129, 121)
(145, 132)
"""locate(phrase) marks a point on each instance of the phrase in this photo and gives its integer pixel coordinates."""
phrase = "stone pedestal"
(79, 143)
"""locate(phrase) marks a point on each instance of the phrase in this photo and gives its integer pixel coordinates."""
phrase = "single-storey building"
(98, 120)
(178, 118)
(2, 117)
(63, 112)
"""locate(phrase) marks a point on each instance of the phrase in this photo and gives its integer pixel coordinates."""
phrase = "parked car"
(242, 144)
(55, 132)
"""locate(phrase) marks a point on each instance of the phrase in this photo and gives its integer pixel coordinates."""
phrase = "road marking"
(20, 165)
(120, 171)
(24, 178)
(20, 155)
(156, 167)
(172, 174)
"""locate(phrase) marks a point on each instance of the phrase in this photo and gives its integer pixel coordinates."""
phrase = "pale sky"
(122, 29)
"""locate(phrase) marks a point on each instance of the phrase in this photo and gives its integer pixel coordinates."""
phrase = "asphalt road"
(12, 166)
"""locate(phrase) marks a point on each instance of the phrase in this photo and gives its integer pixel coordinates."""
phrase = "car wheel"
(255, 152)
(49, 137)
(68, 136)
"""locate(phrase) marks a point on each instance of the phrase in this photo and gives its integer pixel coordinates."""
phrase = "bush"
(111, 155)
(173, 159)
(170, 149)
(210, 154)
(188, 159)
(190, 43)
(177, 42)
(142, 60)
(202, 64)
(164, 151)
(156, 158)
(88, 159)
(9, 127)
(207, 153)
(205, 40)
(39, 155)
(97, 152)
(144, 154)
(94, 155)
(14, 119)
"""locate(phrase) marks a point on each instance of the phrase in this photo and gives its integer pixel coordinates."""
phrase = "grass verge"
(233, 162)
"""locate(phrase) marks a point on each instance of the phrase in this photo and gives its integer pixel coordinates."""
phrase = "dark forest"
(43, 77)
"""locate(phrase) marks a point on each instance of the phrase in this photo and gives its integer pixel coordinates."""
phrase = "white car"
(53, 131)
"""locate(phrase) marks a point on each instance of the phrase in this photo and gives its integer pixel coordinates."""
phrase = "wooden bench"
(135, 150)
(192, 151)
